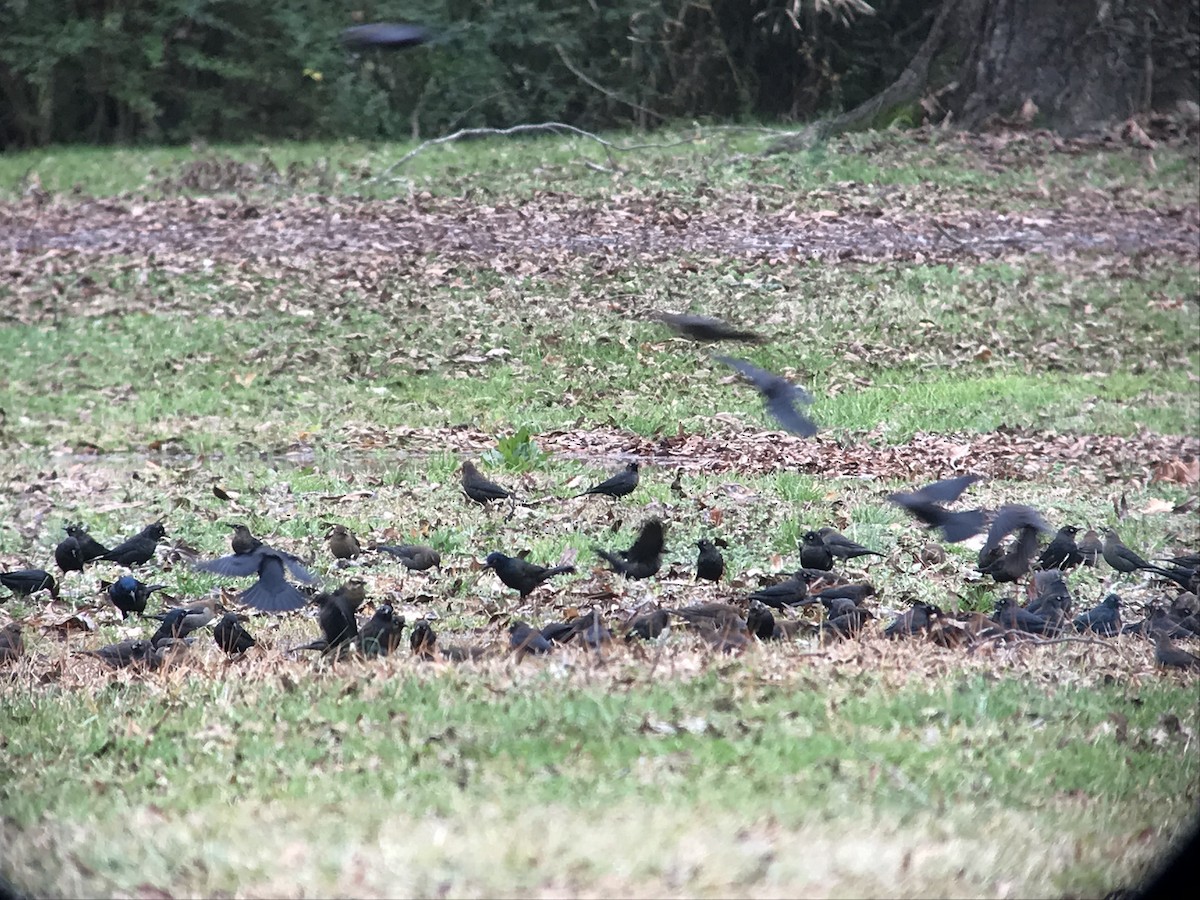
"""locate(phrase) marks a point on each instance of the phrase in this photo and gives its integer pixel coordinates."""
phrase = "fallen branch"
(611, 95)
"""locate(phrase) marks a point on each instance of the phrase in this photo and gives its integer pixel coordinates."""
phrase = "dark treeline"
(153, 71)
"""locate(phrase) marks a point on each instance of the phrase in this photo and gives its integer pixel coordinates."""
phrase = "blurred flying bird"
(780, 396)
(644, 556)
(705, 328)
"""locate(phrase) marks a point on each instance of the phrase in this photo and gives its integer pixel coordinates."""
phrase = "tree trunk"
(1082, 63)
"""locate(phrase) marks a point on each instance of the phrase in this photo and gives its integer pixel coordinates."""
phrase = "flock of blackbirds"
(1012, 551)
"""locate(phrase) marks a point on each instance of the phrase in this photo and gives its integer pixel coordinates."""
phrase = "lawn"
(291, 336)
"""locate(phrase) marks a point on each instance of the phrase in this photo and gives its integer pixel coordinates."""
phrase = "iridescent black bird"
(523, 639)
(1104, 619)
(230, 636)
(272, 592)
(648, 625)
(792, 591)
(520, 575)
(380, 635)
(913, 621)
(25, 582)
(139, 549)
(814, 554)
(710, 565)
(644, 556)
(195, 615)
(620, 485)
(1013, 564)
(336, 616)
(1062, 552)
(77, 548)
(780, 396)
(705, 329)
(130, 595)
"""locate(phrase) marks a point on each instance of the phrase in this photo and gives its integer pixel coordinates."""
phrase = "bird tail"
(281, 600)
(611, 558)
(559, 570)
(959, 526)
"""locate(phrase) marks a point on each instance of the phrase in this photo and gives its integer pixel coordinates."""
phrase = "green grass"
(208, 386)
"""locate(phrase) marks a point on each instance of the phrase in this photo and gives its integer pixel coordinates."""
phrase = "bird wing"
(235, 566)
(948, 489)
(388, 35)
(783, 409)
(1008, 520)
(649, 543)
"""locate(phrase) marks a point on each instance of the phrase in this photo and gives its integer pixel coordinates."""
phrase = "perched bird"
(705, 328)
(842, 547)
(760, 621)
(1062, 552)
(711, 615)
(424, 643)
(837, 606)
(25, 582)
(1124, 560)
(130, 595)
(913, 621)
(195, 615)
(1104, 619)
(12, 645)
(648, 625)
(1167, 655)
(644, 556)
(342, 542)
(523, 639)
(520, 575)
(230, 636)
(792, 591)
(1159, 620)
(76, 549)
(1009, 615)
(416, 557)
(813, 552)
(89, 547)
(139, 549)
(1090, 547)
(856, 593)
(620, 485)
(335, 616)
(926, 505)
(780, 396)
(272, 592)
(381, 634)
(847, 625)
(243, 542)
(386, 36)
(478, 488)
(124, 653)
(710, 565)
(172, 626)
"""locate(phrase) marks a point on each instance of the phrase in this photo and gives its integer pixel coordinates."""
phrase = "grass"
(210, 384)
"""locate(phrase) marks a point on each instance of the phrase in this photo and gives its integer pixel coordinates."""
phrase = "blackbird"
(11, 643)
(925, 505)
(523, 639)
(619, 485)
(1062, 552)
(1090, 548)
(644, 556)
(705, 328)
(230, 636)
(478, 488)
(25, 582)
(847, 625)
(710, 565)
(172, 626)
(335, 616)
(1015, 517)
(386, 36)
(1013, 564)
(837, 606)
(913, 621)
(1009, 615)
(520, 575)
(424, 643)
(1050, 589)
(814, 554)
(856, 593)
(648, 625)
(842, 547)
(342, 542)
(381, 634)
(243, 542)
(730, 639)
(760, 621)
(416, 557)
(1167, 655)
(558, 632)
(139, 549)
(1186, 561)
(130, 595)
(592, 630)
(1104, 619)
(68, 556)
(124, 653)
(272, 592)
(89, 547)
(792, 591)
(780, 396)
(195, 615)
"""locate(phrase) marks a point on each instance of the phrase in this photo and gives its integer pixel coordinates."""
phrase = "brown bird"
(648, 625)
(416, 557)
(11, 643)
(1167, 655)
(479, 489)
(1090, 547)
(342, 542)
